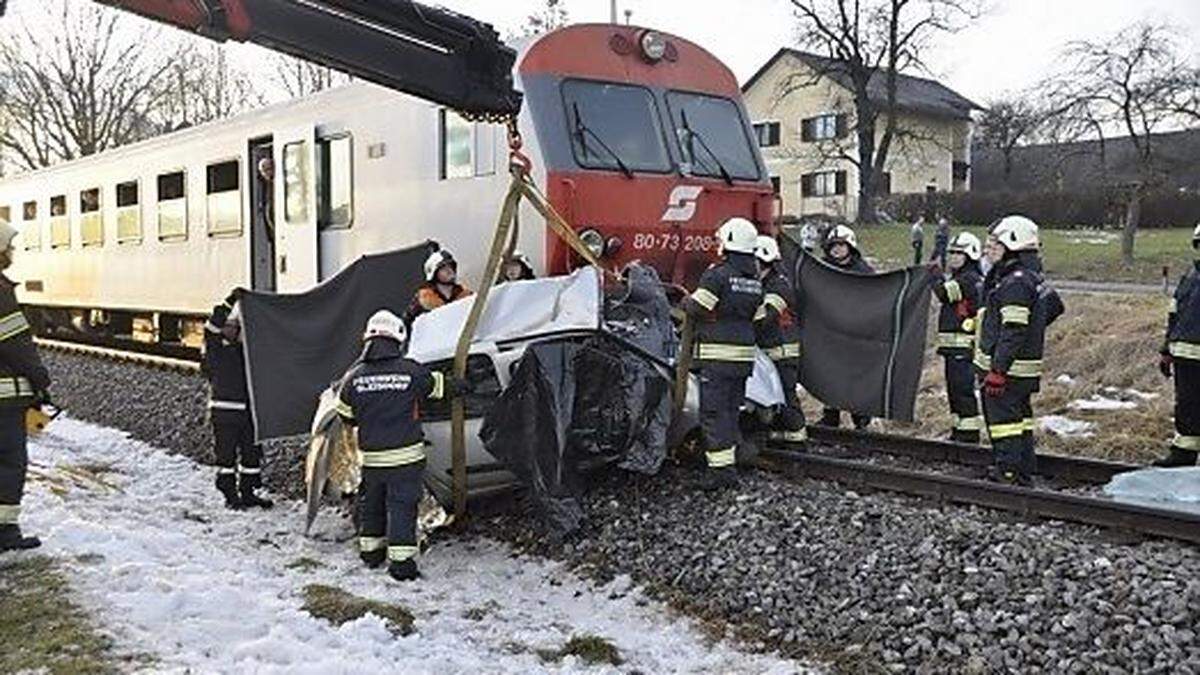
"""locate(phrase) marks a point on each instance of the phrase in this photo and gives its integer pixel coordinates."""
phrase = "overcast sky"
(1009, 48)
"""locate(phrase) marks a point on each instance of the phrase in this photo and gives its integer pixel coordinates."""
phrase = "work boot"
(1177, 457)
(404, 570)
(11, 539)
(373, 559)
(861, 422)
(720, 479)
(831, 419)
(1009, 477)
(227, 486)
(251, 500)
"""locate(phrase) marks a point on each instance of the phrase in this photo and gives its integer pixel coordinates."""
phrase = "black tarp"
(297, 344)
(862, 336)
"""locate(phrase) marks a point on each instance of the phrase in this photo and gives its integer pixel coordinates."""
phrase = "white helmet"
(738, 235)
(1196, 236)
(436, 261)
(384, 324)
(7, 232)
(766, 249)
(842, 234)
(1016, 233)
(967, 244)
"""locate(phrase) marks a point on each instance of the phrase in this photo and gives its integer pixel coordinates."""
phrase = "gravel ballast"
(867, 582)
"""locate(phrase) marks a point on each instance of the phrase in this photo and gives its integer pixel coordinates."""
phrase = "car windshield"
(712, 136)
(614, 126)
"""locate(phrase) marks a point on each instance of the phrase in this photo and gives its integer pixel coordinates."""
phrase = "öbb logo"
(681, 205)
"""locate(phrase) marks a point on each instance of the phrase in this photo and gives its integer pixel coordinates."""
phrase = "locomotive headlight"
(654, 46)
(594, 242)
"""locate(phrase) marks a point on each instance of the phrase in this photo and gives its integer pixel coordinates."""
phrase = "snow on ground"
(1130, 394)
(1060, 425)
(1065, 379)
(1098, 402)
(173, 574)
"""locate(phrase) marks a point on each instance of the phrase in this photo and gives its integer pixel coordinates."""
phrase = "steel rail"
(108, 353)
(952, 489)
(1080, 469)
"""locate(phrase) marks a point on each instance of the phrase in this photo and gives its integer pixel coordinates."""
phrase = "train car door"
(296, 257)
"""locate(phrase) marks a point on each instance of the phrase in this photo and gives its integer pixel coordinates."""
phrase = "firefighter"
(24, 383)
(239, 458)
(724, 304)
(381, 395)
(516, 268)
(841, 251)
(1181, 358)
(959, 296)
(778, 333)
(441, 286)
(1011, 338)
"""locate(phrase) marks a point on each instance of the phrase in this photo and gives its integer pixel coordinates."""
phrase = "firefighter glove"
(1165, 362)
(994, 384)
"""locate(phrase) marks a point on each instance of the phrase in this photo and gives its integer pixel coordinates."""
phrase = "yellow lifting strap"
(521, 187)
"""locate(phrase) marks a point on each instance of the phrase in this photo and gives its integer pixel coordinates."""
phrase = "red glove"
(994, 384)
(1164, 364)
(964, 310)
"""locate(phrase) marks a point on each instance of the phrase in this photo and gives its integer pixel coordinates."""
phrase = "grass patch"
(591, 649)
(304, 564)
(1089, 255)
(41, 627)
(339, 607)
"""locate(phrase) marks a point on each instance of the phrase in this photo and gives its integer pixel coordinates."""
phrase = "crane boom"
(435, 54)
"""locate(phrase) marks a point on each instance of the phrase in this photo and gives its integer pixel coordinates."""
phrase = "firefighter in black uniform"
(778, 328)
(841, 251)
(1012, 336)
(239, 458)
(1181, 357)
(959, 296)
(381, 395)
(724, 304)
(24, 383)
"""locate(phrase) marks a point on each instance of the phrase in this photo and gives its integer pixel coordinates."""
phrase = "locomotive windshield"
(712, 136)
(614, 126)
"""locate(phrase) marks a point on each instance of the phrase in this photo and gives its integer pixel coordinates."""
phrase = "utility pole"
(628, 16)
(612, 11)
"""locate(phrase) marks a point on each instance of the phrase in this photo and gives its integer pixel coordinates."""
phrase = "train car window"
(224, 200)
(129, 212)
(457, 146)
(32, 229)
(614, 125)
(60, 225)
(712, 136)
(335, 182)
(295, 182)
(172, 206)
(91, 220)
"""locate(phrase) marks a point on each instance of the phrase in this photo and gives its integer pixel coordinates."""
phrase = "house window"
(823, 184)
(224, 199)
(823, 127)
(91, 221)
(775, 184)
(335, 182)
(31, 228)
(129, 212)
(172, 206)
(767, 134)
(60, 226)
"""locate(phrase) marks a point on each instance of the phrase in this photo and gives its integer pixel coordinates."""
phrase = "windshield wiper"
(581, 129)
(695, 135)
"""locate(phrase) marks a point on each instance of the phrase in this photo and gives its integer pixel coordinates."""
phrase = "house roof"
(915, 94)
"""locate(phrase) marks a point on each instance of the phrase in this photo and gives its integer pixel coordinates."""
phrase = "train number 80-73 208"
(670, 241)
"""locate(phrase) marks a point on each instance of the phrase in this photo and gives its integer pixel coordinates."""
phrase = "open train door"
(297, 262)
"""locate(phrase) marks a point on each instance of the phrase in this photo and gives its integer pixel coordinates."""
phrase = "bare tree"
(1129, 84)
(1009, 122)
(299, 78)
(551, 16)
(201, 86)
(865, 39)
(89, 83)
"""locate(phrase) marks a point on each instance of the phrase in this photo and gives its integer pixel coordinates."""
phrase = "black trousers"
(791, 421)
(722, 391)
(1187, 405)
(239, 458)
(960, 391)
(832, 417)
(387, 510)
(14, 460)
(1010, 424)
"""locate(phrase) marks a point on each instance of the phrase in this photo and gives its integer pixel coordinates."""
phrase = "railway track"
(184, 365)
(945, 487)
